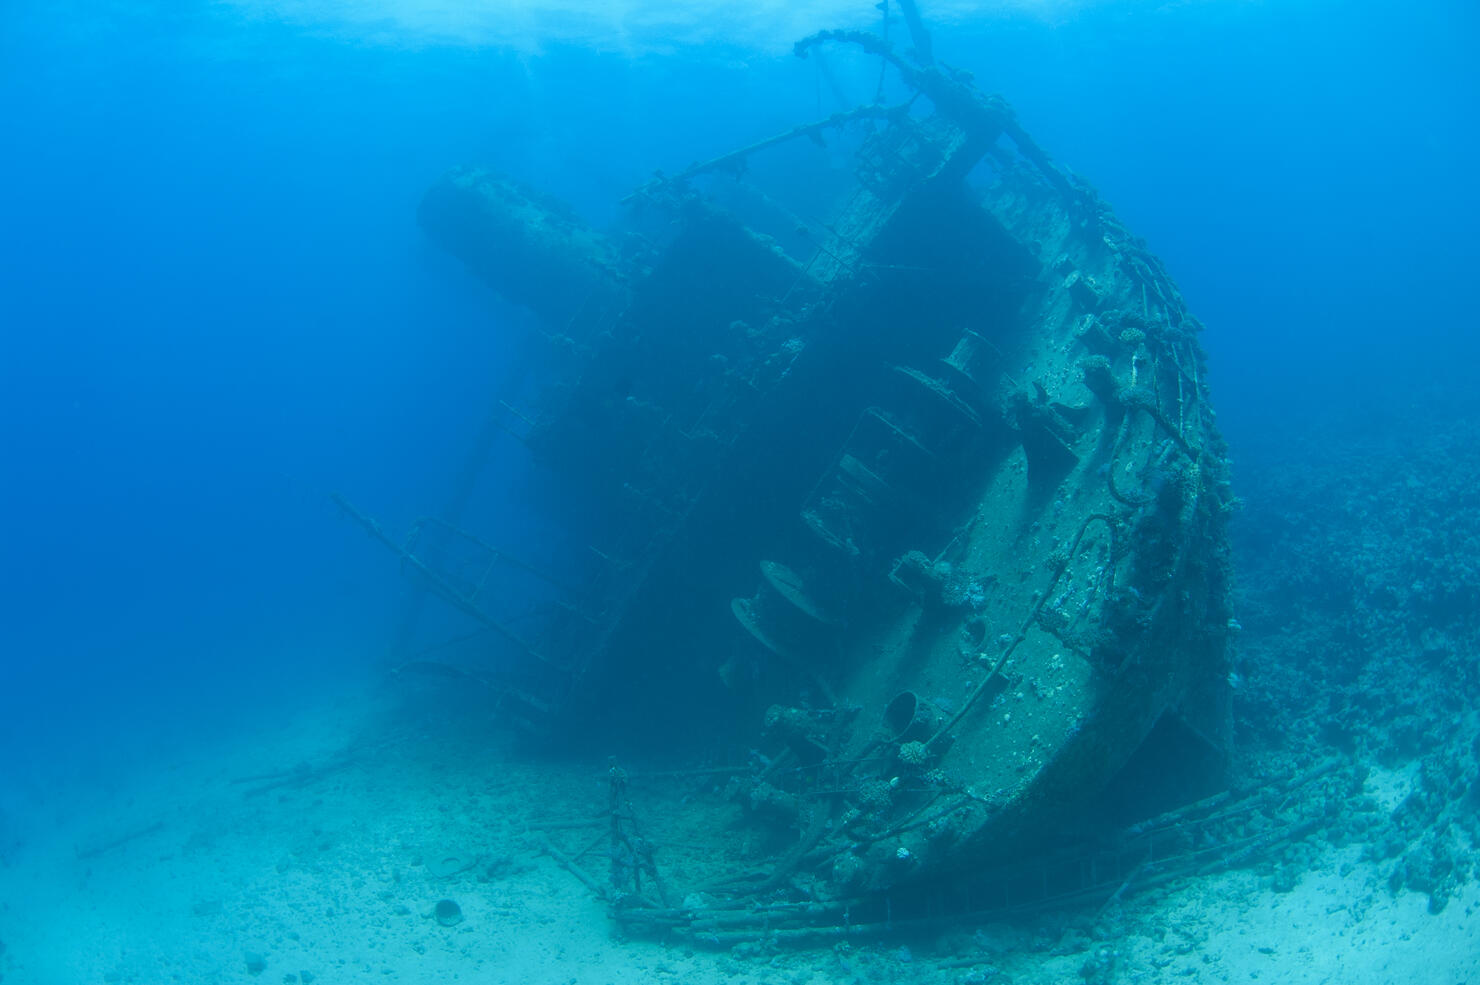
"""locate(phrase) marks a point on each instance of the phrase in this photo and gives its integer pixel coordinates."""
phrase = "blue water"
(217, 307)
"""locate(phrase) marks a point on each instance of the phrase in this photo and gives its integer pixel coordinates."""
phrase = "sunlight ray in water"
(636, 26)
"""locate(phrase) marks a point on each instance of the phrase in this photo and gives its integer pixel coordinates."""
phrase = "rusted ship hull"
(925, 494)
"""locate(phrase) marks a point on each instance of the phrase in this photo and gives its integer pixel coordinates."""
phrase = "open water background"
(216, 306)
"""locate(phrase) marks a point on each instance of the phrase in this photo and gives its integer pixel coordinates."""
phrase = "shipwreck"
(907, 477)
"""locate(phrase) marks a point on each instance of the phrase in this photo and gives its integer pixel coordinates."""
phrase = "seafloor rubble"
(1359, 554)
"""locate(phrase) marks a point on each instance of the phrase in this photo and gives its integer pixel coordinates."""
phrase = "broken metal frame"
(437, 583)
(1227, 830)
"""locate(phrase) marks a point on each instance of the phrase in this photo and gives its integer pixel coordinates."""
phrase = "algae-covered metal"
(910, 471)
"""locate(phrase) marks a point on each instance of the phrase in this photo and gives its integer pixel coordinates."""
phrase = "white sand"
(332, 878)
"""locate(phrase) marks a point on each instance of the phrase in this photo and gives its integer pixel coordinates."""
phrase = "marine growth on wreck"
(908, 482)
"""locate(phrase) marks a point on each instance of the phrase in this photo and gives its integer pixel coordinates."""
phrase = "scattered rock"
(1099, 967)
(1434, 866)
(448, 913)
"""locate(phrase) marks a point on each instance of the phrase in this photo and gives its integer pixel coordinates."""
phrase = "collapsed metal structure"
(913, 469)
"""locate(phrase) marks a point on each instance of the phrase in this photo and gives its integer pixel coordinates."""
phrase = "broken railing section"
(735, 162)
(438, 582)
(465, 592)
(1232, 829)
(633, 879)
(985, 116)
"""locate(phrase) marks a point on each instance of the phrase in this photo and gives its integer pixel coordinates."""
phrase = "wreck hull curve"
(926, 495)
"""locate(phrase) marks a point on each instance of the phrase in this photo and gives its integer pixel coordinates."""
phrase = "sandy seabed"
(316, 850)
